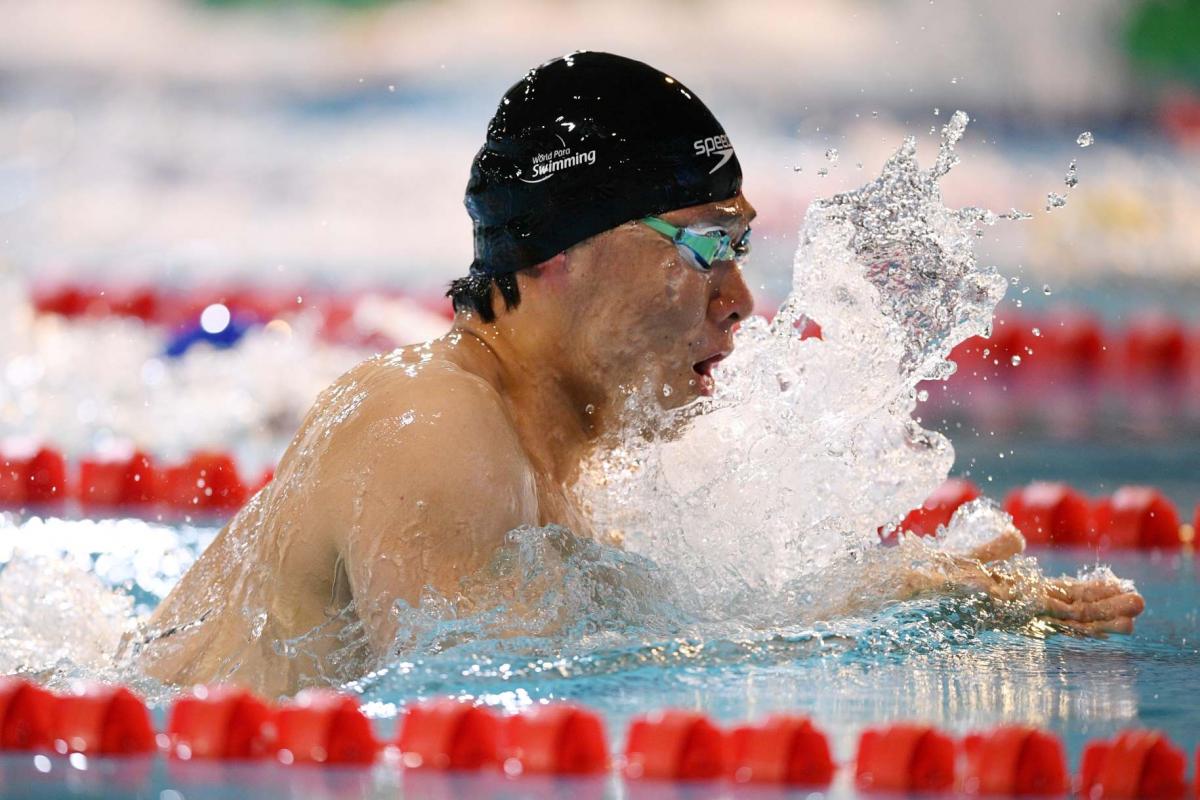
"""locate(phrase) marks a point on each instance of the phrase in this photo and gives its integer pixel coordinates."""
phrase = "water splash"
(808, 445)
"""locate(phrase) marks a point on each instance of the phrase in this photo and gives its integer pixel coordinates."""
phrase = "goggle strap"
(663, 227)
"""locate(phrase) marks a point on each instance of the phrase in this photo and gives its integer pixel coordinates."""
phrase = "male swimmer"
(609, 230)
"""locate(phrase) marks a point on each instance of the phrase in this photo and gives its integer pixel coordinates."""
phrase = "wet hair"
(474, 293)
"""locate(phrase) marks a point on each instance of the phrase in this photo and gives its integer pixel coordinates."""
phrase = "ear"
(552, 267)
(552, 272)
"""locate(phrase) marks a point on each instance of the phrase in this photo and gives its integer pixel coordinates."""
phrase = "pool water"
(940, 661)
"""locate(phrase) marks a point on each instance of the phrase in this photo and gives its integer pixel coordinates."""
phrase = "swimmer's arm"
(1093, 606)
(439, 477)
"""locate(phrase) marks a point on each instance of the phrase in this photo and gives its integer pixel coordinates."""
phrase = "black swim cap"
(582, 144)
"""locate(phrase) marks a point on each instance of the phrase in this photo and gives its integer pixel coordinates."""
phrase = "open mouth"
(704, 370)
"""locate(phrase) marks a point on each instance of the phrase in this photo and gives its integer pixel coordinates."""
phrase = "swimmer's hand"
(1092, 606)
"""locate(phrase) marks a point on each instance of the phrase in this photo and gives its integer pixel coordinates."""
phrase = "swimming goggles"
(705, 245)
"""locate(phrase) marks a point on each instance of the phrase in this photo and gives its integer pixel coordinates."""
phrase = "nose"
(731, 300)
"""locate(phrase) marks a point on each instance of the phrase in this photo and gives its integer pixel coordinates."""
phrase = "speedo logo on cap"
(714, 145)
(546, 164)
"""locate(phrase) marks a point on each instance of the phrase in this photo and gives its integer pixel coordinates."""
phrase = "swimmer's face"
(648, 315)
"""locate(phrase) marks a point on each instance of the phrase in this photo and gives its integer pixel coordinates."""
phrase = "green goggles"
(705, 246)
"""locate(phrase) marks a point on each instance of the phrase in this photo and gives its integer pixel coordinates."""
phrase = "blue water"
(935, 661)
(925, 660)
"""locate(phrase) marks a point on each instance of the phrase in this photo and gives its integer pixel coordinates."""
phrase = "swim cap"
(582, 144)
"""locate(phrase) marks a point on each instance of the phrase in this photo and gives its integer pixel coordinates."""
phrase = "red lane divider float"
(675, 745)
(34, 478)
(118, 482)
(1054, 514)
(1137, 516)
(210, 484)
(1015, 760)
(97, 720)
(1156, 346)
(905, 758)
(556, 739)
(448, 734)
(219, 722)
(782, 750)
(1136, 764)
(1072, 344)
(1051, 514)
(26, 716)
(102, 720)
(321, 727)
(206, 483)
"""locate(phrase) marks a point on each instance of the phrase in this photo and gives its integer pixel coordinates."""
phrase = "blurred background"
(210, 208)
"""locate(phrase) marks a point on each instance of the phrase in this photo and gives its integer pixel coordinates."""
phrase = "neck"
(549, 412)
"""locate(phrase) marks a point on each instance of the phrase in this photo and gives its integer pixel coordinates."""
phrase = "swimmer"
(609, 227)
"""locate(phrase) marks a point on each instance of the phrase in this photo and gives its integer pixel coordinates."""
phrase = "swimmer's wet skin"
(609, 226)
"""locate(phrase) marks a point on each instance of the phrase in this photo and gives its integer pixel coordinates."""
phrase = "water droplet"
(1085, 139)
(666, 390)
(923, 395)
(831, 155)
(1046, 289)
(1036, 331)
(1016, 361)
(1055, 200)
(1072, 177)
(937, 112)
(823, 171)
(589, 409)
(407, 418)
(797, 168)
(874, 113)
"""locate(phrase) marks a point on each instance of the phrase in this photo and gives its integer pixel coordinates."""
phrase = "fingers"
(1075, 591)
(1090, 591)
(1126, 604)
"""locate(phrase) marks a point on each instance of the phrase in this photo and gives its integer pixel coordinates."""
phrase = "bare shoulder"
(431, 431)
(434, 400)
